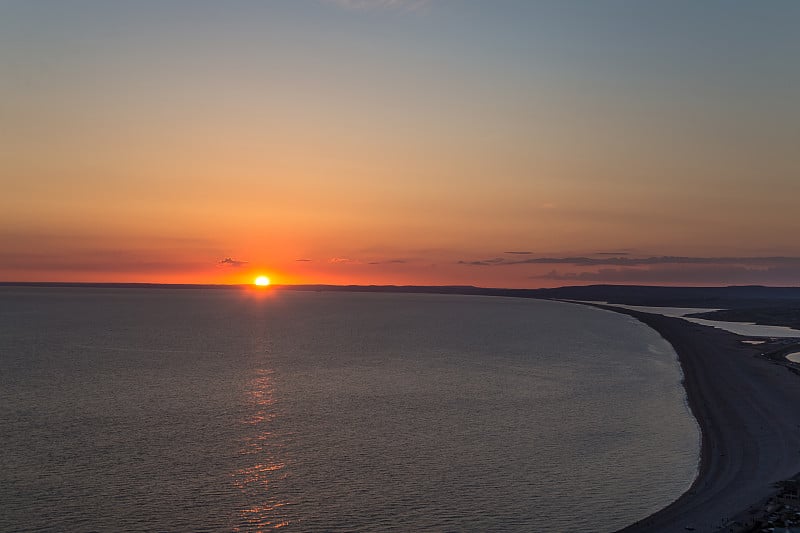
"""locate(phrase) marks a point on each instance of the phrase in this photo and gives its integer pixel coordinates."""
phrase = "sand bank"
(748, 410)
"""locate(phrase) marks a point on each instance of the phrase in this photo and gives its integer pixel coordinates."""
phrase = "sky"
(498, 143)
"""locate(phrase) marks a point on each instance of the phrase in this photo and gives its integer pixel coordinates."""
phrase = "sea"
(155, 409)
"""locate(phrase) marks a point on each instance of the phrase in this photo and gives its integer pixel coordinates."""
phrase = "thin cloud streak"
(712, 275)
(348, 261)
(632, 262)
(389, 262)
(232, 263)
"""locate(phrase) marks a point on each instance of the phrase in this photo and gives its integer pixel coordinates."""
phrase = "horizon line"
(123, 284)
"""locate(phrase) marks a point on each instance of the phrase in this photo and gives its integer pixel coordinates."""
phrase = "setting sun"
(262, 281)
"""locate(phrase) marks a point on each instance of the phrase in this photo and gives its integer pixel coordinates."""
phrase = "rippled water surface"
(157, 409)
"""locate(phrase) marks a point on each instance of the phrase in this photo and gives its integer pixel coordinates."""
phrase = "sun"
(262, 281)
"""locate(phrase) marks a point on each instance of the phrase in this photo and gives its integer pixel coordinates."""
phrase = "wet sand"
(748, 410)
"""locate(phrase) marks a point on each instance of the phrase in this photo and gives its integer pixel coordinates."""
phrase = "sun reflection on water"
(263, 468)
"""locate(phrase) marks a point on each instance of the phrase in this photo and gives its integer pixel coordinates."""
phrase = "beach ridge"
(748, 410)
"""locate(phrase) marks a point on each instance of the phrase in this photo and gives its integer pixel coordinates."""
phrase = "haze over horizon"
(424, 142)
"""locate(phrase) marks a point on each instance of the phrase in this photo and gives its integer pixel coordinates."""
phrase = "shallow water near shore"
(227, 409)
(745, 329)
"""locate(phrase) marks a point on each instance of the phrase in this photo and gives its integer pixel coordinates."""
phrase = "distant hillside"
(774, 306)
(778, 306)
(708, 297)
(737, 297)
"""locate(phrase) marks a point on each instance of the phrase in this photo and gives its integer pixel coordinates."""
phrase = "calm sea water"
(155, 409)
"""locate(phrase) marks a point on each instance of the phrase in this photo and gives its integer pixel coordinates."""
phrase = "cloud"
(303, 260)
(348, 261)
(641, 261)
(519, 253)
(612, 253)
(489, 262)
(407, 5)
(389, 262)
(233, 263)
(705, 274)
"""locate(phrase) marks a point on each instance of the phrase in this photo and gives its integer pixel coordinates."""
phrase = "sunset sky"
(449, 142)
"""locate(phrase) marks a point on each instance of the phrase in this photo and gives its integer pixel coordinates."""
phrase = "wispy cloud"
(705, 274)
(303, 260)
(350, 261)
(489, 262)
(232, 263)
(389, 262)
(625, 261)
(522, 252)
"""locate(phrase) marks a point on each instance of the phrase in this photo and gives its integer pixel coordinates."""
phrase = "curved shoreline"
(748, 410)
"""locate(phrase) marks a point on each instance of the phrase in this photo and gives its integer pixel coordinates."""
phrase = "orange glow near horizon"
(364, 162)
(352, 270)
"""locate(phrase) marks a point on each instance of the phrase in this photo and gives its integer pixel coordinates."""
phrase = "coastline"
(748, 410)
(747, 405)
